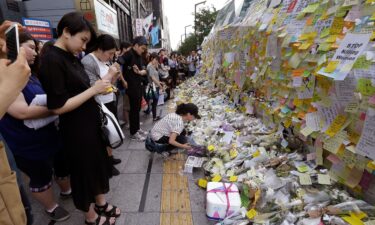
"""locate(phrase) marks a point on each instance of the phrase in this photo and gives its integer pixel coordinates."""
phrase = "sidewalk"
(149, 190)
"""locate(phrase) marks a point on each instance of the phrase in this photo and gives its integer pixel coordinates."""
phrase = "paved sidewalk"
(138, 189)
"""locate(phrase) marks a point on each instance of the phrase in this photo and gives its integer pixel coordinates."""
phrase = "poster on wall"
(106, 18)
(38, 28)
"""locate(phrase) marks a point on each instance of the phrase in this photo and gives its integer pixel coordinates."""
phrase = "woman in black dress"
(69, 95)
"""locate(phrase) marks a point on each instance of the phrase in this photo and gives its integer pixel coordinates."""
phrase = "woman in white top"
(170, 129)
(97, 66)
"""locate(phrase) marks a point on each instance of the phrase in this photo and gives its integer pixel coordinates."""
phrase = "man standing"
(133, 70)
(192, 62)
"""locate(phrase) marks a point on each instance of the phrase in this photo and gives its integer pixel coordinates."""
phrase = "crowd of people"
(50, 123)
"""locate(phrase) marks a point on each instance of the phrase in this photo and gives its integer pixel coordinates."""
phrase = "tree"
(205, 20)
(187, 45)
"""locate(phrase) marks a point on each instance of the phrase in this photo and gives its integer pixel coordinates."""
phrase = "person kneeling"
(169, 133)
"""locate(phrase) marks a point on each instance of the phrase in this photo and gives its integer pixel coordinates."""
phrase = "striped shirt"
(171, 123)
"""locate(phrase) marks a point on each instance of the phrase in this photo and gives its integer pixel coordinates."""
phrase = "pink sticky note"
(362, 116)
(333, 159)
(372, 100)
(366, 180)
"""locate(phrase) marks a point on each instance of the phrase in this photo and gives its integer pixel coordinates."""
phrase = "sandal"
(102, 210)
(97, 221)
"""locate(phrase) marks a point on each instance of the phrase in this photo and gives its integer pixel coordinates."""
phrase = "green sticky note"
(303, 169)
(225, 64)
(324, 47)
(324, 33)
(306, 73)
(311, 8)
(365, 86)
(362, 63)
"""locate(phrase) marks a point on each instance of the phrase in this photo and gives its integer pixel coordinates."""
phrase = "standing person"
(123, 85)
(173, 64)
(13, 78)
(133, 73)
(192, 60)
(170, 130)
(69, 95)
(97, 67)
(38, 152)
(154, 86)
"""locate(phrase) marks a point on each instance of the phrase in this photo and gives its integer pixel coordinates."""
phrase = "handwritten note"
(313, 121)
(336, 125)
(305, 179)
(333, 144)
(366, 144)
(324, 179)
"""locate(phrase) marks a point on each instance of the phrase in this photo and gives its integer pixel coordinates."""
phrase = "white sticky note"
(324, 179)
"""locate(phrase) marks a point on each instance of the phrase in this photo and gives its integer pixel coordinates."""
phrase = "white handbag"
(111, 130)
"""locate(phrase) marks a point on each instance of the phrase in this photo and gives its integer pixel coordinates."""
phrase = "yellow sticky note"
(336, 125)
(211, 148)
(331, 67)
(233, 153)
(202, 183)
(331, 39)
(360, 215)
(251, 213)
(311, 8)
(287, 123)
(216, 178)
(365, 86)
(337, 25)
(373, 16)
(305, 46)
(256, 154)
(233, 178)
(352, 220)
(324, 33)
(371, 165)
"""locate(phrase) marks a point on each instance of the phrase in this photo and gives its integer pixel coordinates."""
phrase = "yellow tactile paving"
(175, 198)
(176, 219)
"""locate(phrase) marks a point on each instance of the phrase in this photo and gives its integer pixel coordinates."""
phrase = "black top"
(130, 59)
(63, 76)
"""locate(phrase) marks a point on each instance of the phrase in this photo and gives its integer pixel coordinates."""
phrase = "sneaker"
(65, 196)
(156, 118)
(59, 214)
(138, 137)
(165, 154)
(143, 132)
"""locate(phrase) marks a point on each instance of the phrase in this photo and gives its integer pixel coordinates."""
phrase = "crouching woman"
(169, 132)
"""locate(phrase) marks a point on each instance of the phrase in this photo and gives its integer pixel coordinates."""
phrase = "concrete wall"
(51, 10)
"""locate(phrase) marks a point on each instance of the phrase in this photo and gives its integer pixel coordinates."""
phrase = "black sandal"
(101, 210)
(97, 221)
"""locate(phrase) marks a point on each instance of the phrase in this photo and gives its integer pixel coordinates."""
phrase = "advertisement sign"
(138, 27)
(38, 28)
(106, 18)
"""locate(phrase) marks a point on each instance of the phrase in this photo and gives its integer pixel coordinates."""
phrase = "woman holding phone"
(98, 66)
(70, 95)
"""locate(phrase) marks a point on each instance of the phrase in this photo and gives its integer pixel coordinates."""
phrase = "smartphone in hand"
(12, 41)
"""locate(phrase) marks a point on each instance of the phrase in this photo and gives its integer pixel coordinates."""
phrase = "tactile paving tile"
(176, 219)
(175, 199)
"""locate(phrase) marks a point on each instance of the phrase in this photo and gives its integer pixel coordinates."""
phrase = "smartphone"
(13, 44)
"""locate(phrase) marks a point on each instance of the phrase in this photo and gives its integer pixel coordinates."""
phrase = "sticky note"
(202, 183)
(337, 25)
(216, 178)
(306, 131)
(233, 153)
(311, 8)
(352, 220)
(370, 222)
(211, 148)
(362, 63)
(360, 215)
(331, 67)
(324, 33)
(303, 169)
(305, 179)
(371, 165)
(233, 178)
(305, 46)
(324, 47)
(324, 179)
(295, 60)
(336, 125)
(256, 154)
(251, 213)
(365, 86)
(322, 59)
(352, 107)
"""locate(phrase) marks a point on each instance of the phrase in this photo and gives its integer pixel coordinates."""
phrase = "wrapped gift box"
(222, 200)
